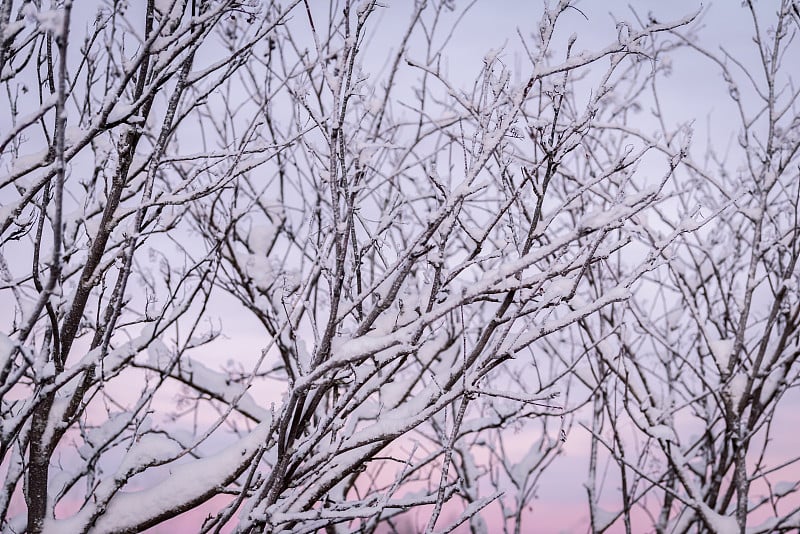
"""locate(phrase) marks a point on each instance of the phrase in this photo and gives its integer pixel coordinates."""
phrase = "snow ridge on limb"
(187, 486)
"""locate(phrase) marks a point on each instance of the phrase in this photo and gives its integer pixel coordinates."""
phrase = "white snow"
(558, 288)
(608, 349)
(208, 380)
(164, 6)
(634, 382)
(12, 29)
(362, 10)
(51, 20)
(98, 436)
(260, 269)
(260, 238)
(603, 518)
(24, 164)
(737, 387)
(73, 134)
(186, 482)
(6, 349)
(721, 524)
(771, 383)
(690, 224)
(600, 218)
(526, 466)
(721, 349)
(785, 487)
(7, 210)
(752, 213)
(491, 55)
(120, 112)
(158, 353)
(662, 432)
(150, 449)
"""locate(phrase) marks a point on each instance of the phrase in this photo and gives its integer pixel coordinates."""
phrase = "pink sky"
(561, 503)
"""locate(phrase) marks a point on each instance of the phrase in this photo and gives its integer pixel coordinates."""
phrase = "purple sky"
(693, 92)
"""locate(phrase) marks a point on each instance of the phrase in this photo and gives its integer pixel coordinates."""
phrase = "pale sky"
(695, 91)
